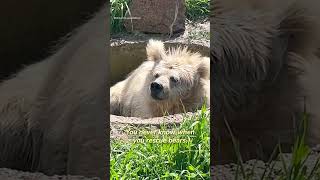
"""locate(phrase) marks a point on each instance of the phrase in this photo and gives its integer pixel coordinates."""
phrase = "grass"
(118, 11)
(195, 10)
(147, 160)
(297, 169)
(191, 160)
(294, 168)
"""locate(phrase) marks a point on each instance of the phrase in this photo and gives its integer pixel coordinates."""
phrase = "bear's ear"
(203, 68)
(155, 50)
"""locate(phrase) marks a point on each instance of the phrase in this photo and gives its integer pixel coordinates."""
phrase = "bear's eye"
(156, 75)
(173, 79)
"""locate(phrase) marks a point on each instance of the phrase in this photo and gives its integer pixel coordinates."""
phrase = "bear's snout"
(156, 86)
(156, 90)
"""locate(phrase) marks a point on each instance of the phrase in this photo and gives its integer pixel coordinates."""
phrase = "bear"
(261, 51)
(53, 114)
(35, 27)
(169, 82)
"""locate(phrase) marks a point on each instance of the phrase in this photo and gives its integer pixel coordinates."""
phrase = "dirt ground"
(9, 174)
(119, 124)
(195, 33)
(228, 171)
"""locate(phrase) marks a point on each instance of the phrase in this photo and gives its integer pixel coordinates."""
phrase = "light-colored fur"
(131, 97)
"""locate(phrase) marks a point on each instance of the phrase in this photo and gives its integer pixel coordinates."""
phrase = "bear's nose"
(156, 86)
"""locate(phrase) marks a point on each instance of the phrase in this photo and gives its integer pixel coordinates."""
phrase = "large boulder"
(157, 16)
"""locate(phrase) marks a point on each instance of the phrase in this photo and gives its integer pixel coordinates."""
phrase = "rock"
(156, 16)
(316, 149)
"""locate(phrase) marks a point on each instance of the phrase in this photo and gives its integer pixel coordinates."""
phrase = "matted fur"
(131, 97)
(258, 52)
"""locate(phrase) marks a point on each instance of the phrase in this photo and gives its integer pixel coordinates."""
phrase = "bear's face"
(172, 81)
(176, 73)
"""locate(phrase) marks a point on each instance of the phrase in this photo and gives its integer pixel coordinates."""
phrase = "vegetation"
(197, 9)
(292, 168)
(145, 160)
(118, 11)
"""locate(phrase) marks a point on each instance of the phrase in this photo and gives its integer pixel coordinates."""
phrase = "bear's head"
(176, 73)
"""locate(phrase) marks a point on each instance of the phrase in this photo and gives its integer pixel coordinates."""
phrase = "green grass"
(197, 9)
(145, 160)
(293, 169)
(297, 169)
(118, 11)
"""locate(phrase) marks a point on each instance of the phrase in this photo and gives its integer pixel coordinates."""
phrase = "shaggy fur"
(53, 113)
(184, 76)
(259, 49)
